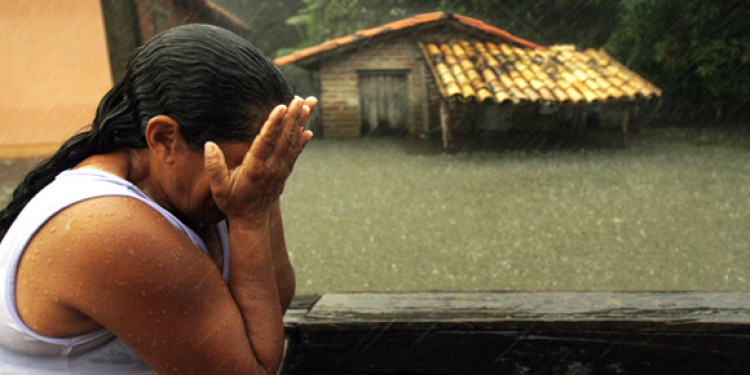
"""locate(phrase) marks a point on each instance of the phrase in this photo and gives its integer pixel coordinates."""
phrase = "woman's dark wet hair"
(213, 83)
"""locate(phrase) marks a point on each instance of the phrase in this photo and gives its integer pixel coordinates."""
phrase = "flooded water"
(668, 211)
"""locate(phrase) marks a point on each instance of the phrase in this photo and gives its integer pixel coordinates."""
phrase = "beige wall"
(54, 69)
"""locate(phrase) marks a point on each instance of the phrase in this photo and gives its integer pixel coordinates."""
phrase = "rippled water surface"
(668, 211)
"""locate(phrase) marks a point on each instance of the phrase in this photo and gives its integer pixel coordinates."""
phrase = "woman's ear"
(163, 137)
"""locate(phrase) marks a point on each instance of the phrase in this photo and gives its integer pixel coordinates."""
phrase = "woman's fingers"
(311, 102)
(216, 169)
(282, 130)
(290, 137)
(272, 154)
(267, 164)
(304, 137)
(264, 144)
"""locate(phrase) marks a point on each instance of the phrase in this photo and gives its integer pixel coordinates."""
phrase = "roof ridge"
(404, 23)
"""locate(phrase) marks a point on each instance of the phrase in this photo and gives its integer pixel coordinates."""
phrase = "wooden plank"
(445, 125)
(518, 332)
(677, 308)
(298, 309)
(123, 33)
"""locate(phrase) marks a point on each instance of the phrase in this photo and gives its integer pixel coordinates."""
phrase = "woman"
(161, 224)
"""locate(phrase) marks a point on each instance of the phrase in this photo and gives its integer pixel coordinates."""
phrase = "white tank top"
(70, 187)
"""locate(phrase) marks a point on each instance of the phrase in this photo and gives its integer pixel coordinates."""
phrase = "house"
(446, 73)
(60, 57)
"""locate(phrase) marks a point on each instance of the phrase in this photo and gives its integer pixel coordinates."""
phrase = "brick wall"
(461, 116)
(339, 96)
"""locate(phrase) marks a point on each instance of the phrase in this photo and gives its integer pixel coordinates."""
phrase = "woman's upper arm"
(147, 283)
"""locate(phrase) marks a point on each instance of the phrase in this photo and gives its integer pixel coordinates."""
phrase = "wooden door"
(383, 104)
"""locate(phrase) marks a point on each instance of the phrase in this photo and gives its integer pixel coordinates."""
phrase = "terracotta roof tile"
(486, 71)
(420, 19)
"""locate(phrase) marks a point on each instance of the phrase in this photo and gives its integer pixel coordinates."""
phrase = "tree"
(697, 50)
(328, 19)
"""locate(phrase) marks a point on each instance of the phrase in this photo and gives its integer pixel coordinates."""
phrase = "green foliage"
(328, 19)
(697, 50)
(583, 23)
(586, 23)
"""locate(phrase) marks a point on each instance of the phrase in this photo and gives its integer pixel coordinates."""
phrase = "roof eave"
(216, 15)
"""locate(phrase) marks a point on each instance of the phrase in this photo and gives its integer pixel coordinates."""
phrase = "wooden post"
(123, 33)
(425, 101)
(625, 121)
(445, 125)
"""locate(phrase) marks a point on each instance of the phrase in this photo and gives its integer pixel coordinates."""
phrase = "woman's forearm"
(248, 197)
(252, 282)
(285, 277)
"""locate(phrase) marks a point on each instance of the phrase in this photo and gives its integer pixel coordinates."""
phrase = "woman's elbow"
(287, 284)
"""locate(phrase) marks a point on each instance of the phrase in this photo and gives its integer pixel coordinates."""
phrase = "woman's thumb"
(216, 168)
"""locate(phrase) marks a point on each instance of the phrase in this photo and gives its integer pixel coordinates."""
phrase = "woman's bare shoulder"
(124, 266)
(112, 230)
